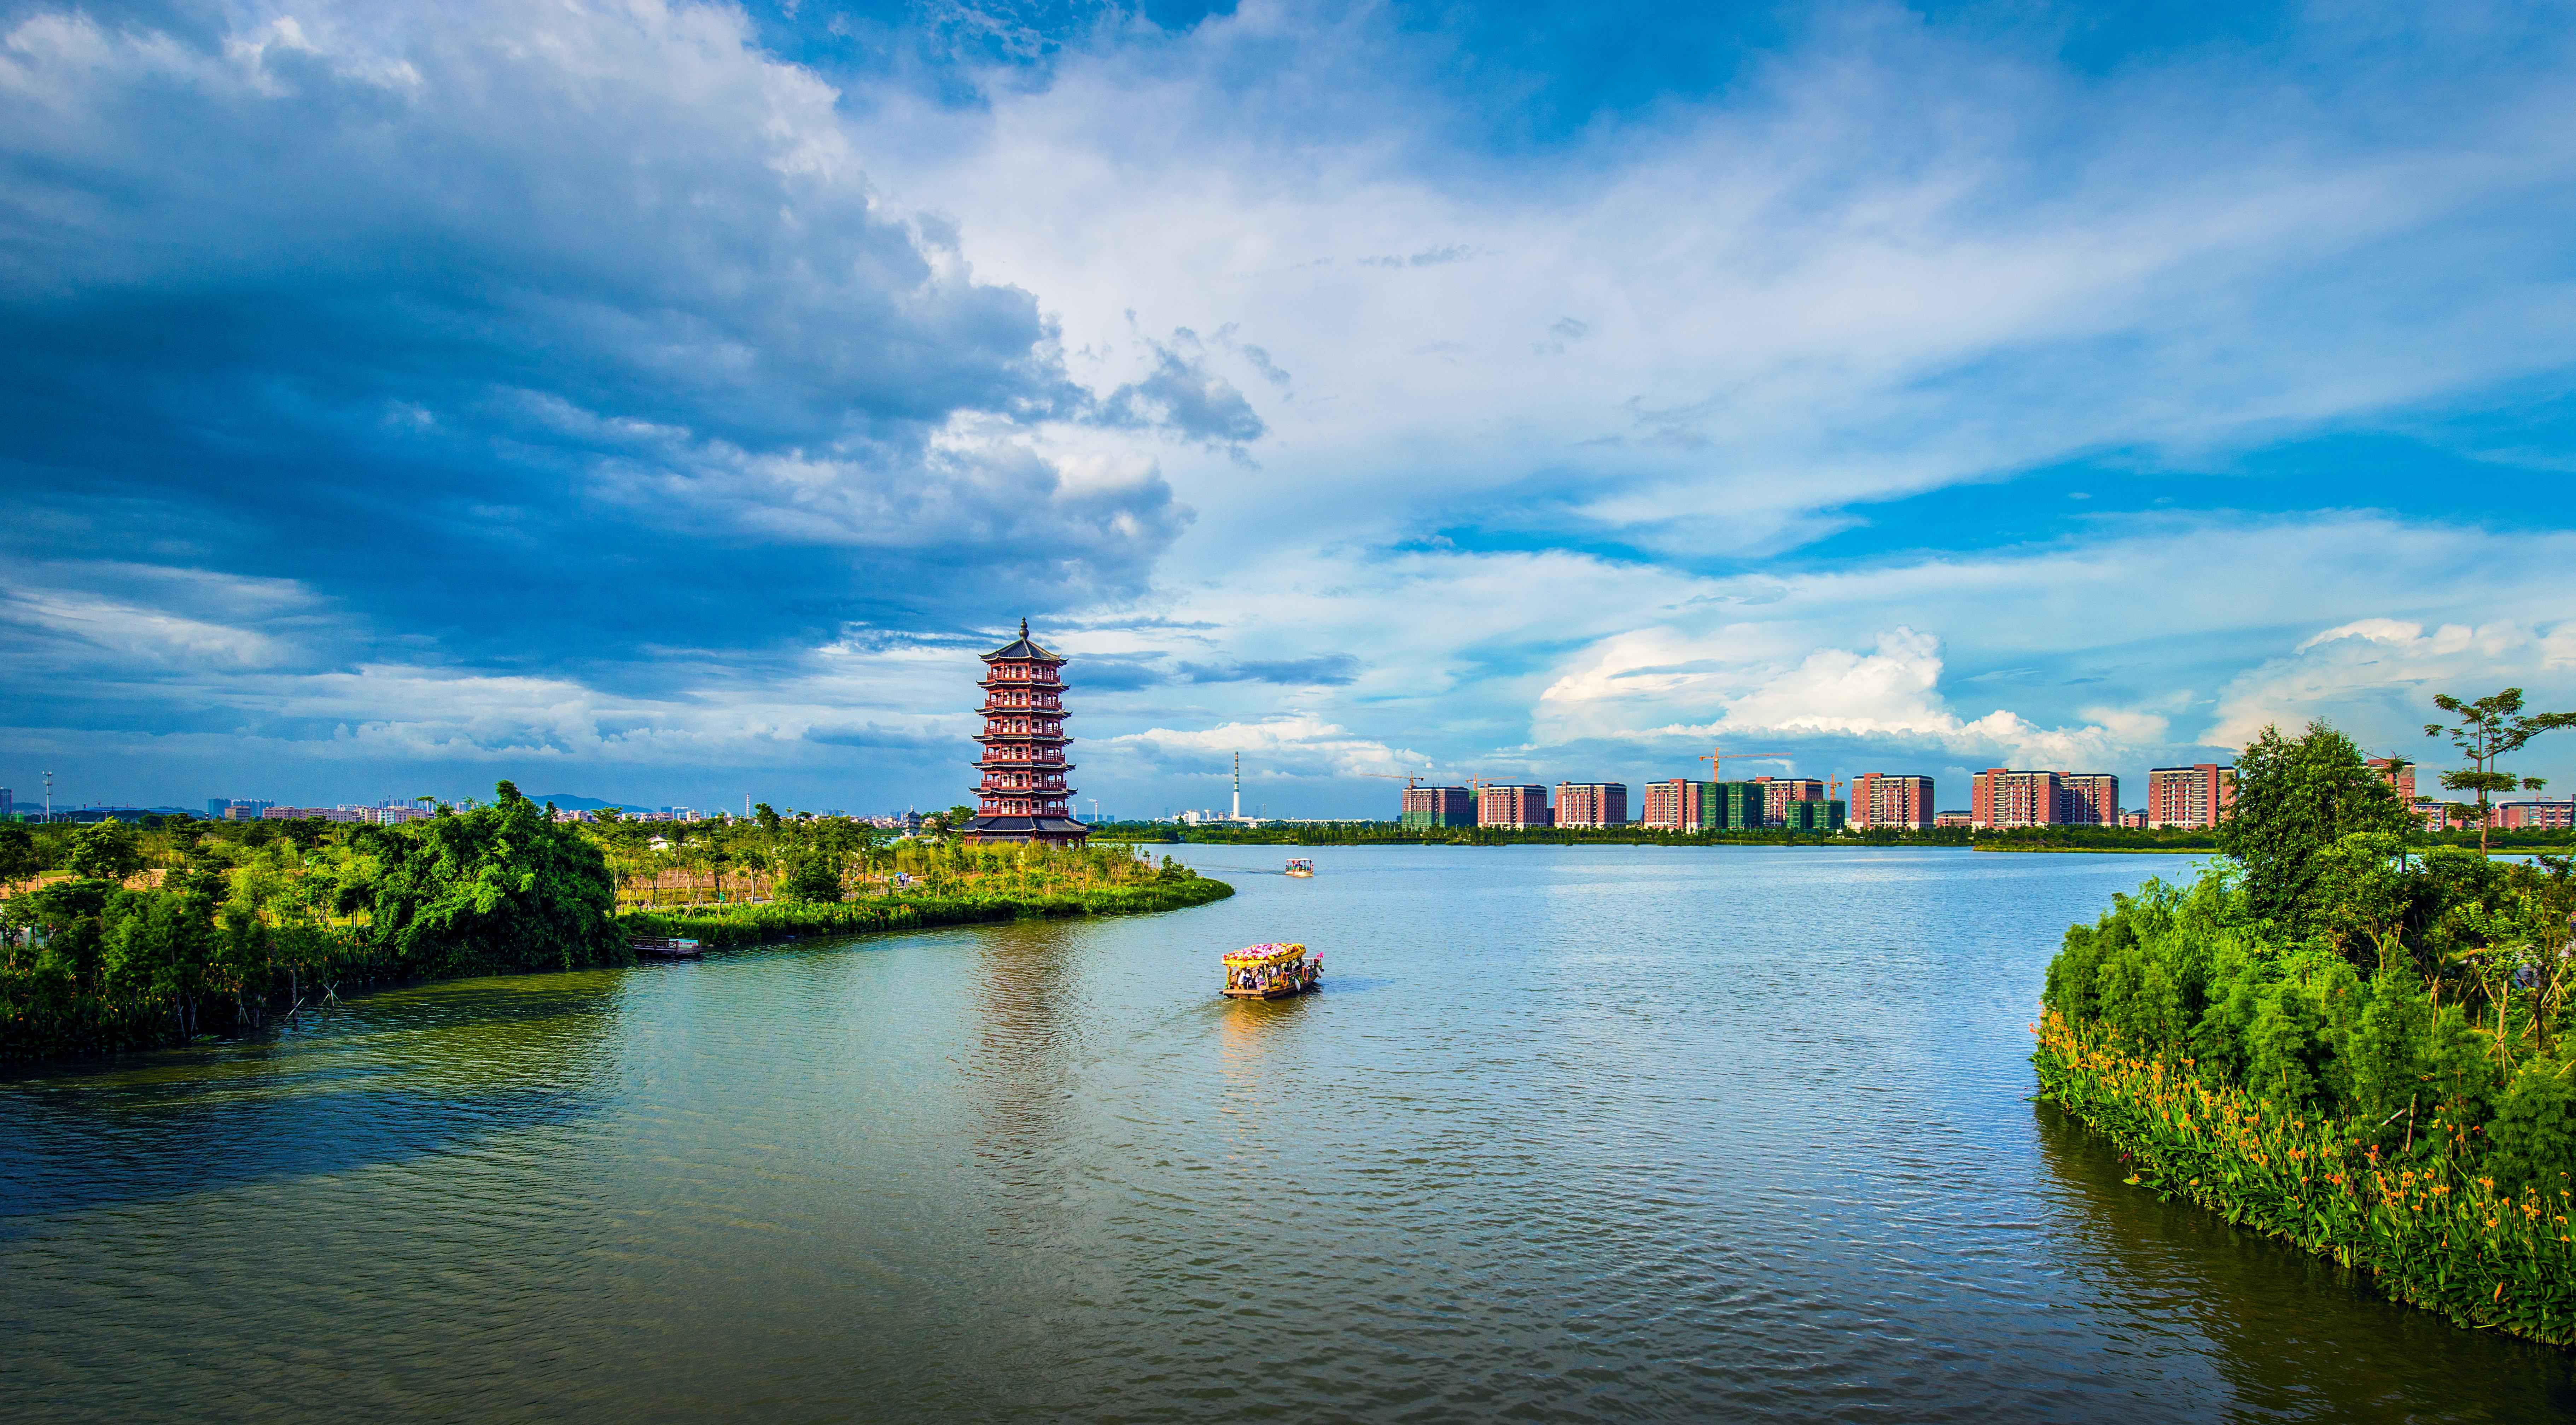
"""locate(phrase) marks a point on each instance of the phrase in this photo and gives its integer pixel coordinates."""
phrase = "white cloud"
(2375, 678)
(1622, 687)
(1295, 745)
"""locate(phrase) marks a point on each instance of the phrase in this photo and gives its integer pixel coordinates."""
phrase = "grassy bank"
(728, 926)
(119, 939)
(2435, 1230)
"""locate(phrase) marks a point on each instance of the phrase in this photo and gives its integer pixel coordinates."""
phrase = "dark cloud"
(520, 337)
(1183, 396)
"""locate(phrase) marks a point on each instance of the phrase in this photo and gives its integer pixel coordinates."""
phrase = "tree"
(2295, 798)
(2489, 730)
(496, 889)
(105, 852)
(18, 856)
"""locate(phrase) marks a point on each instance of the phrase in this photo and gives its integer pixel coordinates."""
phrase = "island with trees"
(118, 937)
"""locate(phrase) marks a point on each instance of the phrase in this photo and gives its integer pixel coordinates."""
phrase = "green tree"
(18, 856)
(2296, 797)
(105, 852)
(2489, 730)
(497, 889)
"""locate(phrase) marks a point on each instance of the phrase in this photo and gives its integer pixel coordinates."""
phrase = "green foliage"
(812, 878)
(257, 919)
(19, 858)
(2396, 1062)
(497, 890)
(105, 851)
(2295, 798)
(2489, 730)
(2534, 1131)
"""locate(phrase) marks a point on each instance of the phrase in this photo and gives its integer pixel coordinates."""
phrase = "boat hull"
(1276, 991)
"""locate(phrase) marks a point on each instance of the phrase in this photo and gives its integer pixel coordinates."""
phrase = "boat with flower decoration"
(1271, 971)
(1302, 866)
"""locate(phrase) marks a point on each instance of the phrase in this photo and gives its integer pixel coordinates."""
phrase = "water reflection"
(1716, 1136)
(378, 1079)
(1027, 1027)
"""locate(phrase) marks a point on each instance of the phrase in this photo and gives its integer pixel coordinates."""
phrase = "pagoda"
(1023, 796)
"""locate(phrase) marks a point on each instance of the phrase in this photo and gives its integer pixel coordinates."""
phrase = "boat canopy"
(1253, 956)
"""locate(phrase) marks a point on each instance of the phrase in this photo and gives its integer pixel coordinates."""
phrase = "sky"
(665, 403)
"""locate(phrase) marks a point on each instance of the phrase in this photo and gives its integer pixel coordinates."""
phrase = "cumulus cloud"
(1292, 745)
(1888, 696)
(2376, 677)
(524, 306)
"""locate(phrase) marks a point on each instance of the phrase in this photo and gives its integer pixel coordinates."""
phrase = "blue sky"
(664, 402)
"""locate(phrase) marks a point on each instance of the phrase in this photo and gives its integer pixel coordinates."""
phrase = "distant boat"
(1271, 971)
(1301, 867)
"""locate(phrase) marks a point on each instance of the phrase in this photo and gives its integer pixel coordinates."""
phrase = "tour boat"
(1301, 867)
(1271, 972)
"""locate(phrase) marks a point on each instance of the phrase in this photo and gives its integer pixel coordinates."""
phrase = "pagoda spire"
(1023, 796)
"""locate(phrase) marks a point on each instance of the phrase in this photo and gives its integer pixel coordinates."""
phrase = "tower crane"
(1718, 756)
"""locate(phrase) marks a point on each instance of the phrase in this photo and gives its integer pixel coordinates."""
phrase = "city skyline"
(1902, 390)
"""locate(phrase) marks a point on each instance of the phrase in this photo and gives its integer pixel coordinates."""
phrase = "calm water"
(1605, 1133)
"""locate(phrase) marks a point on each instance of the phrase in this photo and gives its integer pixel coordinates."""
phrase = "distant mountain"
(565, 802)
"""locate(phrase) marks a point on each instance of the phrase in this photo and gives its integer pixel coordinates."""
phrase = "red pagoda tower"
(1023, 796)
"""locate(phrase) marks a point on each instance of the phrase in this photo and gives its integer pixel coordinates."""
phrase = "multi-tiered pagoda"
(1023, 796)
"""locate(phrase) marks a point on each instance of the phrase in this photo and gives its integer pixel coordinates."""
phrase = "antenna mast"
(1238, 786)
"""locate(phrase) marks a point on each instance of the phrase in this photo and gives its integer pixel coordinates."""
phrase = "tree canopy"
(2295, 798)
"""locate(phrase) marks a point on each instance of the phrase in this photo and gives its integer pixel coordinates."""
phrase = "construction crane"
(1718, 756)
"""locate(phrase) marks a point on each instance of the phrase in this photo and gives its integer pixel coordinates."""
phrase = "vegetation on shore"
(2346, 1037)
(124, 938)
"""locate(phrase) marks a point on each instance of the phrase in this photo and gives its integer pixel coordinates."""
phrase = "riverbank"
(2433, 1231)
(71, 986)
(730, 927)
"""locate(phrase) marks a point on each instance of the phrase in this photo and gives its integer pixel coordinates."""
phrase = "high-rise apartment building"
(2088, 799)
(2196, 796)
(1592, 804)
(1514, 805)
(1878, 799)
(1778, 792)
(2002, 797)
(1685, 805)
(2399, 774)
(1427, 807)
(2536, 816)
(1811, 814)
(1670, 806)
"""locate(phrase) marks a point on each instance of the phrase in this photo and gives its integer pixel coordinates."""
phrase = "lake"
(1571, 1133)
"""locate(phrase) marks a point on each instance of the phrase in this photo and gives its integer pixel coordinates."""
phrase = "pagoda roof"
(1022, 649)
